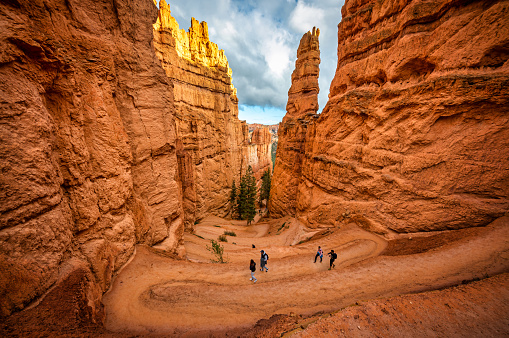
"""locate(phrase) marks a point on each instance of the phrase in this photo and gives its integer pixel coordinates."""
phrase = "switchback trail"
(158, 295)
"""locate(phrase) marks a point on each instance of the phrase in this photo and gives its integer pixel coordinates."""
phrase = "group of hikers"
(333, 256)
(265, 257)
(263, 265)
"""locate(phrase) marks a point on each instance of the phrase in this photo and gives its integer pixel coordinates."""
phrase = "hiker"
(263, 261)
(252, 267)
(319, 253)
(333, 256)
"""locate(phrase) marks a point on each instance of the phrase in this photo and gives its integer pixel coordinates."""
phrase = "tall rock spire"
(415, 134)
(300, 111)
(303, 94)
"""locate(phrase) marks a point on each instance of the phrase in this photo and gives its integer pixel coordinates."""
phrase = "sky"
(260, 39)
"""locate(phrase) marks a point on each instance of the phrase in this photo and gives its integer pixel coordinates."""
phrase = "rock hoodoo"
(415, 134)
(301, 110)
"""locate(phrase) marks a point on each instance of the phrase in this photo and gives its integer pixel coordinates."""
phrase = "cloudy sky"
(260, 39)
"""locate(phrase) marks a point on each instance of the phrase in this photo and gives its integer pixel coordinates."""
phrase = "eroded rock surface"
(212, 143)
(415, 134)
(300, 110)
(259, 152)
(114, 131)
(87, 144)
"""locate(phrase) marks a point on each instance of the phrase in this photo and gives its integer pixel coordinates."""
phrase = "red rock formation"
(259, 152)
(213, 146)
(273, 128)
(101, 147)
(415, 134)
(300, 110)
(87, 145)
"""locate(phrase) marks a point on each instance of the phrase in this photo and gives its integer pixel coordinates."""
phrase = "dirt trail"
(157, 295)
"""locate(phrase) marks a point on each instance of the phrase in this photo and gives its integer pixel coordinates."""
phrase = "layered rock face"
(259, 152)
(87, 145)
(300, 110)
(273, 128)
(415, 136)
(213, 146)
(111, 127)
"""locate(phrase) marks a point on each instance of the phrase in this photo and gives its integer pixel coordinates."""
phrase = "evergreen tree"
(250, 210)
(265, 188)
(241, 198)
(233, 199)
(273, 151)
(246, 197)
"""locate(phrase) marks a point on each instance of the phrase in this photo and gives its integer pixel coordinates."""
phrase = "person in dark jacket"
(252, 267)
(263, 261)
(333, 256)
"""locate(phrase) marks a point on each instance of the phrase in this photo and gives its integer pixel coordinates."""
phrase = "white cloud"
(304, 17)
(260, 40)
(277, 53)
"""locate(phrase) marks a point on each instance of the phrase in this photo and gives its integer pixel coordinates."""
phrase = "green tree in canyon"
(246, 196)
(241, 199)
(233, 199)
(265, 188)
(251, 195)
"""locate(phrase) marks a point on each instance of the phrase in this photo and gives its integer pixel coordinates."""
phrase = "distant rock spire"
(195, 44)
(303, 94)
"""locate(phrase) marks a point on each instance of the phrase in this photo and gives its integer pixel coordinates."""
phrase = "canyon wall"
(259, 152)
(87, 146)
(213, 146)
(273, 128)
(300, 110)
(415, 136)
(117, 128)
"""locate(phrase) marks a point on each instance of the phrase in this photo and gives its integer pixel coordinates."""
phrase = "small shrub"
(222, 238)
(217, 249)
(230, 233)
(303, 241)
(280, 228)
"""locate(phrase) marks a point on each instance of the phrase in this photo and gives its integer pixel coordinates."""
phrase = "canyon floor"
(452, 283)
(157, 295)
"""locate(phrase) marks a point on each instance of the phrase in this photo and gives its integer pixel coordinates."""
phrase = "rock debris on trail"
(157, 294)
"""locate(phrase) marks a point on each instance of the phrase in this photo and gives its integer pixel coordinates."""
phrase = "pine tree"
(241, 198)
(246, 197)
(265, 188)
(250, 211)
(233, 199)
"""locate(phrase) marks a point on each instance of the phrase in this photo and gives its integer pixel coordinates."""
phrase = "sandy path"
(154, 294)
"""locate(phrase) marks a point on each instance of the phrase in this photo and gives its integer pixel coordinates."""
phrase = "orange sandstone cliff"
(88, 155)
(272, 128)
(114, 132)
(259, 152)
(213, 147)
(415, 136)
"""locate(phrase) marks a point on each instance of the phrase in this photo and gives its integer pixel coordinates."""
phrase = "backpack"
(334, 256)
(265, 257)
